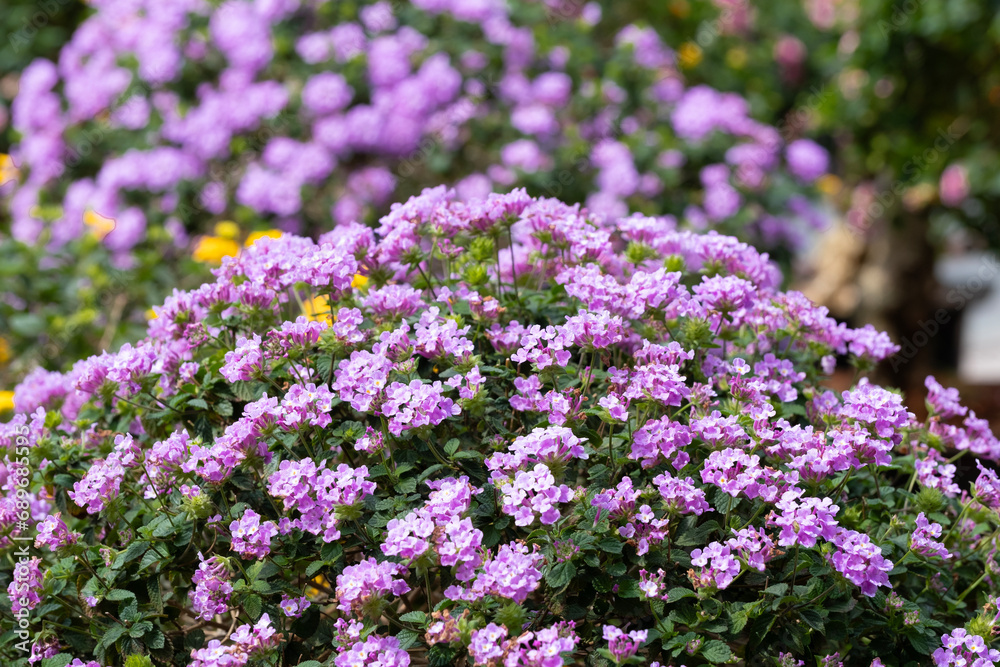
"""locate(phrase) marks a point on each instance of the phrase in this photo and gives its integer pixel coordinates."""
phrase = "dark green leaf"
(560, 574)
(418, 617)
(716, 651)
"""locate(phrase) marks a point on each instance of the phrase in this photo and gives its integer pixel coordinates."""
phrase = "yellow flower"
(689, 54)
(256, 236)
(211, 249)
(227, 229)
(829, 184)
(6, 401)
(100, 226)
(736, 57)
(4, 351)
(8, 170)
(317, 309)
(359, 282)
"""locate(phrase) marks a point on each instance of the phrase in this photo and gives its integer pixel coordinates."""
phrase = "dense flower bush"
(504, 432)
(160, 120)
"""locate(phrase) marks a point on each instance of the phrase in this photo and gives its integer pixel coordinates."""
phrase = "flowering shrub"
(158, 122)
(512, 433)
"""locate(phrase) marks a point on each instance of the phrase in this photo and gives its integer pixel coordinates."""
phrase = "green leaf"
(199, 403)
(716, 651)
(134, 550)
(407, 638)
(252, 605)
(813, 619)
(777, 589)
(628, 588)
(139, 629)
(58, 660)
(310, 663)
(119, 594)
(418, 617)
(451, 446)
(112, 635)
(223, 408)
(679, 593)
(611, 545)
(560, 574)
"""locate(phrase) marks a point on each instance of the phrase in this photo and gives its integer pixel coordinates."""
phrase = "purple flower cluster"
(961, 648)
(922, 538)
(252, 537)
(719, 567)
(804, 519)
(440, 522)
(622, 645)
(316, 493)
(510, 573)
(860, 561)
(368, 581)
(212, 588)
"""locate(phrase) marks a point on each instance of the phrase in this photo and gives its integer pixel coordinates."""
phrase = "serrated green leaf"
(112, 634)
(679, 593)
(716, 651)
(560, 574)
(407, 638)
(777, 589)
(58, 660)
(199, 403)
(252, 606)
(414, 617)
(119, 594)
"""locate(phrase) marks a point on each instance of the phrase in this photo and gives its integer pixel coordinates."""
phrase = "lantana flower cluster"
(505, 439)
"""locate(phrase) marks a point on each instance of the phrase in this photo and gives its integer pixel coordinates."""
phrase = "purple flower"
(719, 566)
(681, 495)
(486, 645)
(807, 160)
(512, 573)
(621, 645)
(53, 533)
(369, 581)
(961, 648)
(922, 539)
(251, 537)
(245, 362)
(26, 585)
(943, 401)
(987, 487)
(661, 439)
(860, 561)
(533, 494)
(212, 587)
(803, 520)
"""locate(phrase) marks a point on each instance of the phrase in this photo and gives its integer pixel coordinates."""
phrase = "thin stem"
(973, 586)
(513, 267)
(958, 520)
(795, 567)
